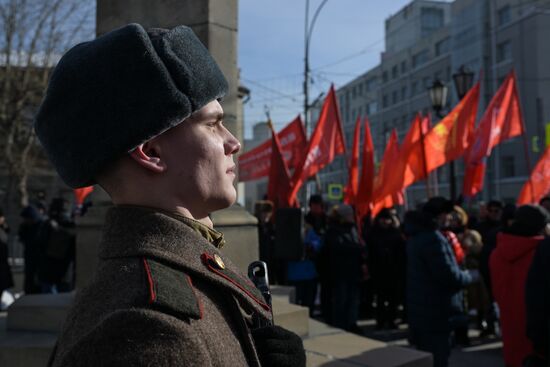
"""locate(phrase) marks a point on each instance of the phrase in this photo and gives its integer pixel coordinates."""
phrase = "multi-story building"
(429, 40)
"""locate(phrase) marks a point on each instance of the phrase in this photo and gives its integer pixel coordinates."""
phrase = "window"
(385, 76)
(371, 84)
(420, 58)
(504, 15)
(353, 92)
(394, 72)
(414, 88)
(372, 108)
(403, 93)
(504, 51)
(465, 37)
(508, 166)
(431, 19)
(394, 97)
(403, 67)
(442, 47)
(426, 82)
(360, 89)
(384, 101)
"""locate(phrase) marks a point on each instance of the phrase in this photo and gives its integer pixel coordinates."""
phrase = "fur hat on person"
(111, 94)
(529, 220)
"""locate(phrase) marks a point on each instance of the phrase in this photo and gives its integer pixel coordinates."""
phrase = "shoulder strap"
(171, 290)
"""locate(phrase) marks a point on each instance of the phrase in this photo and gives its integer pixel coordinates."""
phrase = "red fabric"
(449, 139)
(455, 244)
(81, 194)
(364, 194)
(473, 178)
(254, 164)
(387, 182)
(501, 121)
(326, 142)
(199, 303)
(388, 202)
(351, 189)
(538, 184)
(279, 186)
(413, 154)
(509, 264)
(150, 283)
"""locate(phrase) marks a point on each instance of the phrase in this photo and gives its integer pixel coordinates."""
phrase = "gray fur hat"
(107, 96)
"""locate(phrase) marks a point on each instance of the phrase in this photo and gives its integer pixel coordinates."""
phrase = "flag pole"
(524, 138)
(424, 159)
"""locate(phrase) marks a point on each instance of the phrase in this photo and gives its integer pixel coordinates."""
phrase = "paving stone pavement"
(486, 352)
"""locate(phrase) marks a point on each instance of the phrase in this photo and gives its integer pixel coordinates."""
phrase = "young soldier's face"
(199, 154)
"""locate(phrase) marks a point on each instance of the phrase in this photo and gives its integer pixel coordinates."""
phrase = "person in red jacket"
(509, 264)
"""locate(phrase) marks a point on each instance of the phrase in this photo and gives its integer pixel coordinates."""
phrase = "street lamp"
(438, 96)
(307, 39)
(463, 81)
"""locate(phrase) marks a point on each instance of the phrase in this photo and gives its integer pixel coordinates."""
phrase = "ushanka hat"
(107, 96)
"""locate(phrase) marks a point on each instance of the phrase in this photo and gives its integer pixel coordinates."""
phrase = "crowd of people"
(48, 238)
(441, 270)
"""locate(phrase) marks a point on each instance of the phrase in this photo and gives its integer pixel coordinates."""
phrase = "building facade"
(430, 40)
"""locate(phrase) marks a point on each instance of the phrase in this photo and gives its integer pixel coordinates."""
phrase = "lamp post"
(438, 96)
(463, 79)
(307, 38)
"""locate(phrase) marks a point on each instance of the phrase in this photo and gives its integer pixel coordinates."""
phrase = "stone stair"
(29, 330)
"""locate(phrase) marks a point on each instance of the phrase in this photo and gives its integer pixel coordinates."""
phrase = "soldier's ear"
(148, 155)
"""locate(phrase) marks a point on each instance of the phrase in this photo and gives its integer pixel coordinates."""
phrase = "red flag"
(413, 157)
(254, 164)
(383, 183)
(538, 184)
(449, 139)
(473, 178)
(353, 176)
(326, 142)
(278, 188)
(364, 192)
(388, 202)
(502, 120)
(81, 194)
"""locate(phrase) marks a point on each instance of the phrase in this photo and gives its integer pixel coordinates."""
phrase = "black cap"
(109, 95)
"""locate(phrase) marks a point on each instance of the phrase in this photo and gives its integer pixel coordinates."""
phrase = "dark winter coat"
(537, 299)
(6, 278)
(509, 264)
(162, 295)
(344, 253)
(434, 280)
(386, 257)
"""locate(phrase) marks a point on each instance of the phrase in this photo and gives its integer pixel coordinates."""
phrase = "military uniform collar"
(210, 234)
(132, 231)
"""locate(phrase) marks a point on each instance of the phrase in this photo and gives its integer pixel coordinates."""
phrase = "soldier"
(137, 112)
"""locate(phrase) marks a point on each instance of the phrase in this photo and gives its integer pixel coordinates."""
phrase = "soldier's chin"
(226, 200)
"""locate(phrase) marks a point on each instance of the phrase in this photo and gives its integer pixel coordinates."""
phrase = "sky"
(346, 41)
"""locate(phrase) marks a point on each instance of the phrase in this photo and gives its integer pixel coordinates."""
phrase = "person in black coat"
(386, 261)
(58, 241)
(32, 248)
(434, 280)
(345, 255)
(537, 301)
(6, 278)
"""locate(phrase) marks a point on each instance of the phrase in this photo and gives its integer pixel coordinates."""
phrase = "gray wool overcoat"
(162, 295)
